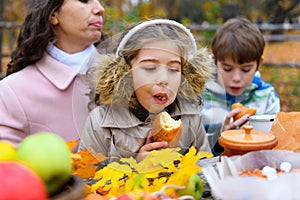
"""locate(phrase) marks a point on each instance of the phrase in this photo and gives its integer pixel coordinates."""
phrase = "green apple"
(48, 155)
(194, 188)
(20, 182)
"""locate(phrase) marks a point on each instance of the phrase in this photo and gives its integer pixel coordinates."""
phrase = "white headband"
(158, 21)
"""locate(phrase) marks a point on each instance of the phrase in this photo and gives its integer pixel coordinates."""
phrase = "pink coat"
(47, 96)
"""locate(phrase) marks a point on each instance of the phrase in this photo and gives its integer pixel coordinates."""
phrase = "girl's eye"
(157, 67)
(84, 1)
(149, 67)
(174, 69)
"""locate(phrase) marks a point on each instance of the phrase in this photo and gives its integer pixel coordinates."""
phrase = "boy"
(237, 50)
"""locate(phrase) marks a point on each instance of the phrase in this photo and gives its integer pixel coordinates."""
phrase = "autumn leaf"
(85, 163)
(157, 160)
(72, 144)
(160, 168)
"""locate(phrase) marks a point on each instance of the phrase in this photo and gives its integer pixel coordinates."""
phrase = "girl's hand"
(229, 124)
(149, 146)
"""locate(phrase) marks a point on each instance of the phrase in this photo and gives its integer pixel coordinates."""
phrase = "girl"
(156, 68)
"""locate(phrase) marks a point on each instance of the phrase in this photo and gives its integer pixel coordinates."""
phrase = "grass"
(286, 81)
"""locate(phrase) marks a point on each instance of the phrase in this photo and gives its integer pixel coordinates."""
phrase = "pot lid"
(247, 138)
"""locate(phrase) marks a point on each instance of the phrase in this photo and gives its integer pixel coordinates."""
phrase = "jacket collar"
(120, 116)
(56, 72)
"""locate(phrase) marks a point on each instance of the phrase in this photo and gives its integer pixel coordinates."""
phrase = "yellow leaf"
(124, 168)
(204, 154)
(158, 169)
(157, 160)
(131, 161)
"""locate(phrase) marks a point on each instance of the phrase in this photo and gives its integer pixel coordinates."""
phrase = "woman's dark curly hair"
(35, 34)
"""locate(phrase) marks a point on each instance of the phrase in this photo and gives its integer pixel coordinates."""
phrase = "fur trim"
(196, 72)
(111, 83)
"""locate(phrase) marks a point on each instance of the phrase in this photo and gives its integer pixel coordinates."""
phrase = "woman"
(157, 68)
(45, 88)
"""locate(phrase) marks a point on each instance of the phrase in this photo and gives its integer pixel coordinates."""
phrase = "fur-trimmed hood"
(113, 82)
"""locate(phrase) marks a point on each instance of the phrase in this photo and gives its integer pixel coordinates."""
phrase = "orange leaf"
(85, 163)
(72, 144)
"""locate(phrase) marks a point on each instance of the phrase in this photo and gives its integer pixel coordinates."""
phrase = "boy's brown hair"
(238, 39)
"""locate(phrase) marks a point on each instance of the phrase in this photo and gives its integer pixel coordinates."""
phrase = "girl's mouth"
(161, 98)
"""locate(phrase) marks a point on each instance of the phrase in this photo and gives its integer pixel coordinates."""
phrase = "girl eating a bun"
(155, 67)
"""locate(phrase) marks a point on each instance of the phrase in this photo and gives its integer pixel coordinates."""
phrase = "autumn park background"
(279, 20)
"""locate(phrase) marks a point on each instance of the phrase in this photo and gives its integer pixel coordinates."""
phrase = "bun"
(165, 128)
(244, 110)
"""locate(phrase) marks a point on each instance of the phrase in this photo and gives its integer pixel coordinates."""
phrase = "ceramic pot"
(239, 142)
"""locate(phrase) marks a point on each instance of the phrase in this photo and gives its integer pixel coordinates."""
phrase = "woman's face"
(78, 23)
(156, 74)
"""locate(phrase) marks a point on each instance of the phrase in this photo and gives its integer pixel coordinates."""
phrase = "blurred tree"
(230, 10)
(14, 10)
(191, 11)
(121, 13)
(170, 7)
(211, 11)
(153, 9)
(279, 11)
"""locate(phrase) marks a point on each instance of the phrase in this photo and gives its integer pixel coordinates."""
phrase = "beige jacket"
(116, 132)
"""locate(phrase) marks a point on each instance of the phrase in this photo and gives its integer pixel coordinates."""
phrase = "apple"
(194, 188)
(137, 194)
(7, 150)
(95, 196)
(19, 182)
(49, 156)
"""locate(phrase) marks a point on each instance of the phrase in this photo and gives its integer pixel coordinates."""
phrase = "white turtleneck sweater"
(78, 61)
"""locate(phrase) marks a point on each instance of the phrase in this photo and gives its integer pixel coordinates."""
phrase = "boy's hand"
(244, 110)
(230, 125)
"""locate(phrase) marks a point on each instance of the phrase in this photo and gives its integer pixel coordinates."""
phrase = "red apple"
(18, 182)
(137, 194)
